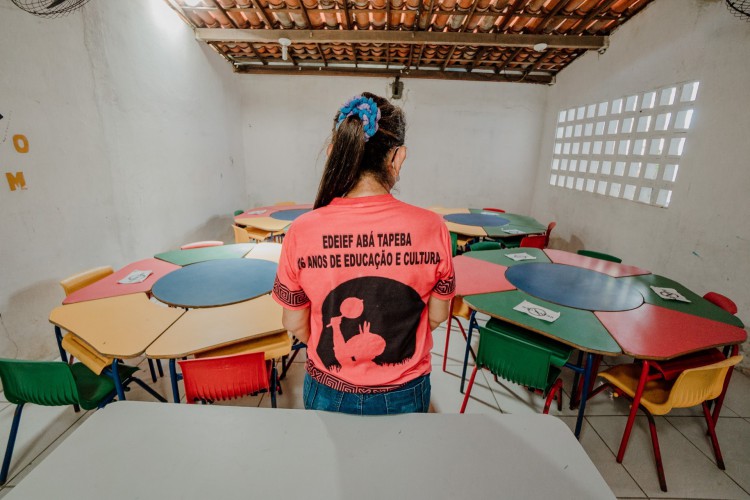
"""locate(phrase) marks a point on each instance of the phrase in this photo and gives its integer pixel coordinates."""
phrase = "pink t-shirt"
(366, 267)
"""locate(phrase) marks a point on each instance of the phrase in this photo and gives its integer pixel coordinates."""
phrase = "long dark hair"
(352, 156)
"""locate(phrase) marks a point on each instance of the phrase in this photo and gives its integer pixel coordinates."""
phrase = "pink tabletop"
(267, 211)
(109, 286)
(653, 332)
(602, 266)
(474, 276)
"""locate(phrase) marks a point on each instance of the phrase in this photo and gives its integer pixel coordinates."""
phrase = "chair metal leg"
(657, 451)
(554, 391)
(712, 433)
(58, 338)
(633, 411)
(173, 378)
(159, 367)
(573, 390)
(274, 383)
(151, 370)
(11, 444)
(584, 393)
(148, 389)
(468, 389)
(472, 323)
(720, 399)
(447, 335)
(116, 379)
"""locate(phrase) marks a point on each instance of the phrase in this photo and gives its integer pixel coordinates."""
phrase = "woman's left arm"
(297, 322)
(437, 311)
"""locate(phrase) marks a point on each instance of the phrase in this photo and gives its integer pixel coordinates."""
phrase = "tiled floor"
(688, 457)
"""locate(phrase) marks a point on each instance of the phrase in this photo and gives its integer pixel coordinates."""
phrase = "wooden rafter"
(263, 14)
(252, 47)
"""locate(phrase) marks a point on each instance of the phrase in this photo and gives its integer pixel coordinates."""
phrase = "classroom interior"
(139, 138)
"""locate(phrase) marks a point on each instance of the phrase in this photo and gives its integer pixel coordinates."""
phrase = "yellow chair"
(72, 344)
(692, 387)
(250, 234)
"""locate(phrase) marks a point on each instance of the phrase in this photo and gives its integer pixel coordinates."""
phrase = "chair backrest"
(550, 227)
(494, 210)
(238, 212)
(534, 241)
(485, 245)
(600, 256)
(722, 301)
(77, 281)
(521, 357)
(47, 383)
(224, 377)
(201, 244)
(696, 385)
(240, 234)
(454, 244)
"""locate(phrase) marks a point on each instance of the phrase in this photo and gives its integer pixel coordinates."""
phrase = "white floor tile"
(616, 476)
(689, 473)
(734, 440)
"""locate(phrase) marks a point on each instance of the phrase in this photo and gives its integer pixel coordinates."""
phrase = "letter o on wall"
(21, 143)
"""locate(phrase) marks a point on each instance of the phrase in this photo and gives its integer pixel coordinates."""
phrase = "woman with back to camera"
(365, 278)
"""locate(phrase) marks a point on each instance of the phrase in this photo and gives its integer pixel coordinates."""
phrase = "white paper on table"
(135, 276)
(669, 294)
(257, 212)
(520, 256)
(536, 311)
(513, 231)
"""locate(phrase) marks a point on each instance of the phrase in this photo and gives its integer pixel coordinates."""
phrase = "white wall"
(703, 238)
(134, 149)
(469, 144)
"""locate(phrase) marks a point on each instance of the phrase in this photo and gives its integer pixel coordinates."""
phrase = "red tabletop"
(653, 332)
(474, 276)
(602, 266)
(109, 286)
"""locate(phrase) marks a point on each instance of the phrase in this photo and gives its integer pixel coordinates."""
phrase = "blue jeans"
(412, 397)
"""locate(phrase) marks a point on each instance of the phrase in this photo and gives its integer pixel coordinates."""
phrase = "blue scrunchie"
(367, 111)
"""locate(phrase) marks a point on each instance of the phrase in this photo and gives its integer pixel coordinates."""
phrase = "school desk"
(479, 223)
(606, 308)
(213, 328)
(109, 286)
(199, 452)
(273, 219)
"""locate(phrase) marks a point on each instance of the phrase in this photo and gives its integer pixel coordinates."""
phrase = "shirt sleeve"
(445, 288)
(287, 290)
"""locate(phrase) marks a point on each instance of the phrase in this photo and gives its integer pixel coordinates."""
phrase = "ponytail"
(365, 129)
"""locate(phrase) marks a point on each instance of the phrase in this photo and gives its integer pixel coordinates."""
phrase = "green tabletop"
(187, 257)
(575, 327)
(528, 225)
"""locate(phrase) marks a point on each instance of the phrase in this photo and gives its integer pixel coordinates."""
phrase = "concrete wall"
(134, 148)
(468, 143)
(703, 238)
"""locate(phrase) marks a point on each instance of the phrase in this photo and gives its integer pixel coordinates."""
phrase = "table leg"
(633, 411)
(720, 399)
(574, 388)
(173, 379)
(116, 378)
(585, 393)
(472, 322)
(58, 338)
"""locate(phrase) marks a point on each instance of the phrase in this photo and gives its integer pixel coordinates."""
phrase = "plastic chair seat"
(93, 388)
(485, 245)
(600, 256)
(519, 356)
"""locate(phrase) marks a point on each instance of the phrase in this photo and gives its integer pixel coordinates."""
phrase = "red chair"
(201, 244)
(722, 301)
(228, 377)
(534, 241)
(550, 227)
(494, 210)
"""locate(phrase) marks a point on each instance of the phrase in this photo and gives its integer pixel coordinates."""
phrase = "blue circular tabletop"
(574, 287)
(289, 214)
(216, 283)
(488, 220)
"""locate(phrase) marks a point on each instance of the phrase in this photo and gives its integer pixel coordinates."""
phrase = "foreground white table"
(151, 450)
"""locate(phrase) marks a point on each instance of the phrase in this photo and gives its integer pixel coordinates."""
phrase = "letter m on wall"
(15, 181)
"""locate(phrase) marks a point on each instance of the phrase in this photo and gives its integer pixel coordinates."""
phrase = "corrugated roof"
(495, 40)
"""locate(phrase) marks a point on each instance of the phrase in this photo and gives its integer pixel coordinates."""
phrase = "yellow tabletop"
(201, 329)
(118, 327)
(264, 223)
(265, 251)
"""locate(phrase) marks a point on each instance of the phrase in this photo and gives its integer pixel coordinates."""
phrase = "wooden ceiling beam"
(401, 37)
(385, 73)
(262, 13)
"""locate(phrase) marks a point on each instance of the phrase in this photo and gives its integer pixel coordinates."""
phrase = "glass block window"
(628, 148)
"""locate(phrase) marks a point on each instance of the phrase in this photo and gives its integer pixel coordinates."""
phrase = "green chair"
(454, 244)
(238, 212)
(600, 255)
(485, 245)
(55, 383)
(521, 357)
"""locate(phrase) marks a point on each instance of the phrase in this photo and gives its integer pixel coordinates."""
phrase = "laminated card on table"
(513, 231)
(257, 212)
(520, 256)
(536, 311)
(669, 294)
(135, 276)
